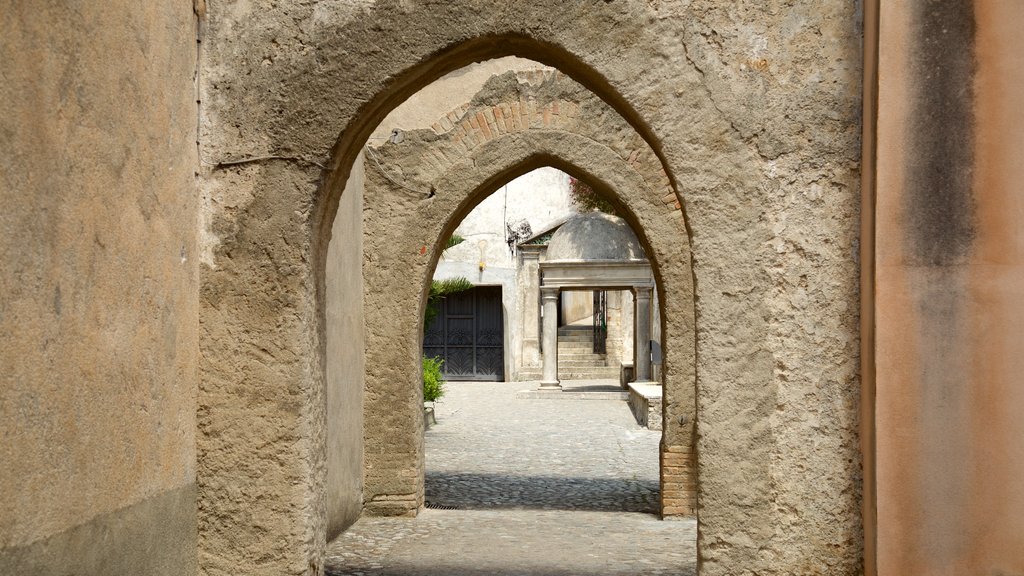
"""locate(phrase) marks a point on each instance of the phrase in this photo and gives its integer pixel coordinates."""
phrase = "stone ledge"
(429, 417)
(645, 402)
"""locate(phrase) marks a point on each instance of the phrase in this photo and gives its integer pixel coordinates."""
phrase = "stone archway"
(403, 235)
(295, 483)
(312, 104)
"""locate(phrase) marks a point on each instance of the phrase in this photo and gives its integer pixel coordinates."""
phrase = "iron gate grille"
(468, 333)
(600, 322)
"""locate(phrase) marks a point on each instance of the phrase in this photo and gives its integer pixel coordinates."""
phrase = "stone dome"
(594, 236)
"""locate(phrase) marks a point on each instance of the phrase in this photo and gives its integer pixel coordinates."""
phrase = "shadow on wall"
(469, 491)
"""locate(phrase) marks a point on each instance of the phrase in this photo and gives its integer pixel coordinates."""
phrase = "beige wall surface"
(949, 290)
(98, 288)
(345, 368)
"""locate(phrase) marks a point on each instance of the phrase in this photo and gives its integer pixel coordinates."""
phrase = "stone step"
(575, 345)
(575, 338)
(562, 355)
(609, 372)
(583, 364)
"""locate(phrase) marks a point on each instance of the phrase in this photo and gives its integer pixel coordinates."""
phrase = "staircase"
(576, 359)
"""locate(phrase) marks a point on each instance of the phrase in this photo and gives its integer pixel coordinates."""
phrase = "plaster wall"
(577, 305)
(98, 288)
(345, 369)
(752, 108)
(949, 287)
(540, 197)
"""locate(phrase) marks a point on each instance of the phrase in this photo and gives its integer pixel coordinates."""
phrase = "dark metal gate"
(600, 322)
(468, 333)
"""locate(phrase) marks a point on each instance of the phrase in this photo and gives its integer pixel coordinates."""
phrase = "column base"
(549, 385)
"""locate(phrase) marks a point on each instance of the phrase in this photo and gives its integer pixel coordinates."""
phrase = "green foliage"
(588, 200)
(433, 379)
(439, 289)
(454, 240)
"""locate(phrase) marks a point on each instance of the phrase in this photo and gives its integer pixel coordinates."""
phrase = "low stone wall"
(625, 374)
(645, 403)
(429, 418)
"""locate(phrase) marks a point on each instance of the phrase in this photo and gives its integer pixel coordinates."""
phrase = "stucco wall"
(98, 288)
(949, 289)
(344, 356)
(540, 197)
(577, 305)
(445, 94)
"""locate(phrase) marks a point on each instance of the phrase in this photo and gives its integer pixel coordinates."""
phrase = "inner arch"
(394, 242)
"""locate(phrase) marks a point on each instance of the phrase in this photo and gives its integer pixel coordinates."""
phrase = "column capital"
(643, 291)
(549, 292)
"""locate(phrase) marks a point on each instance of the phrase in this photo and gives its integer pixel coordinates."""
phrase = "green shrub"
(433, 379)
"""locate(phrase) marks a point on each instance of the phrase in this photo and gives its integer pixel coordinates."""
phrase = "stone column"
(530, 289)
(642, 347)
(549, 296)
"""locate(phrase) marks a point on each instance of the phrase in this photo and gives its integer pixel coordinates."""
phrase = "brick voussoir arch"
(516, 102)
(405, 239)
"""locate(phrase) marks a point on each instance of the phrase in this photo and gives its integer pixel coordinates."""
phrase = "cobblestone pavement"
(539, 486)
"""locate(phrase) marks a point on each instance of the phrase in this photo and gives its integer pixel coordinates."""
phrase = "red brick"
(499, 119)
(482, 122)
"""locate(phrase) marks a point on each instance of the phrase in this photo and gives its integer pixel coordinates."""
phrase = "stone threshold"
(570, 395)
(599, 389)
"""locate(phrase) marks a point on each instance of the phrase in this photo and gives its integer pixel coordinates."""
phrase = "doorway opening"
(468, 335)
(489, 445)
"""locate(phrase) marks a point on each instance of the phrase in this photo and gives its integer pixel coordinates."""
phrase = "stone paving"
(537, 486)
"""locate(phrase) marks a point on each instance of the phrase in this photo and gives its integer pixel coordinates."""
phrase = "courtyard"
(519, 483)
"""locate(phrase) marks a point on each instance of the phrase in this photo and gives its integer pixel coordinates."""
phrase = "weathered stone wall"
(98, 288)
(950, 286)
(752, 107)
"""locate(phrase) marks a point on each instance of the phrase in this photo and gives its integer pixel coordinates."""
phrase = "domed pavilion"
(594, 251)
